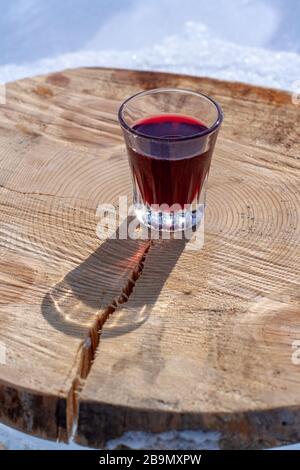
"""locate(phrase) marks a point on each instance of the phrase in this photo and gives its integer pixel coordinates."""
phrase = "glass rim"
(207, 131)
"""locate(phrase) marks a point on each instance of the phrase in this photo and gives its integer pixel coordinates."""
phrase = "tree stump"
(146, 335)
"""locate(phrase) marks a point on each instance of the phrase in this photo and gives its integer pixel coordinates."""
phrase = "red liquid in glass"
(162, 179)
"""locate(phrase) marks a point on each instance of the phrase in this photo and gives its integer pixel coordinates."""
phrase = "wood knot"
(43, 91)
(58, 79)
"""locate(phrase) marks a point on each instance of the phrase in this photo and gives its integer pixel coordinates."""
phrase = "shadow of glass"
(103, 282)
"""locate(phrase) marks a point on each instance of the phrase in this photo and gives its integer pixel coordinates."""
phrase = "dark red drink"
(163, 175)
(170, 136)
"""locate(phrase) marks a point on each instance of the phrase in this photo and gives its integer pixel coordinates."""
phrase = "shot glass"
(170, 136)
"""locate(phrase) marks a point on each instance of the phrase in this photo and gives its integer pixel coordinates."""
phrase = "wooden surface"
(189, 339)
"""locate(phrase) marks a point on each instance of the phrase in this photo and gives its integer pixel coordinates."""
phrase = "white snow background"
(253, 41)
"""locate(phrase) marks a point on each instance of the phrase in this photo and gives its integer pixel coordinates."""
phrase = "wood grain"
(189, 339)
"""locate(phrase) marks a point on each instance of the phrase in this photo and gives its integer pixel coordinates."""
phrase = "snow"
(11, 439)
(185, 440)
(253, 41)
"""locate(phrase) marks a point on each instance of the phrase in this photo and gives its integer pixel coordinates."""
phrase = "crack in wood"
(90, 345)
(37, 193)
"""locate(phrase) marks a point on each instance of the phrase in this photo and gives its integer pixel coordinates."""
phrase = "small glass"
(170, 135)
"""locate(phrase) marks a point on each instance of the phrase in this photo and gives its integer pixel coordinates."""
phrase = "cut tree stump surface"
(190, 339)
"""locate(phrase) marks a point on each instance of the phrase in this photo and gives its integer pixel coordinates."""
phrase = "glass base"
(169, 221)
